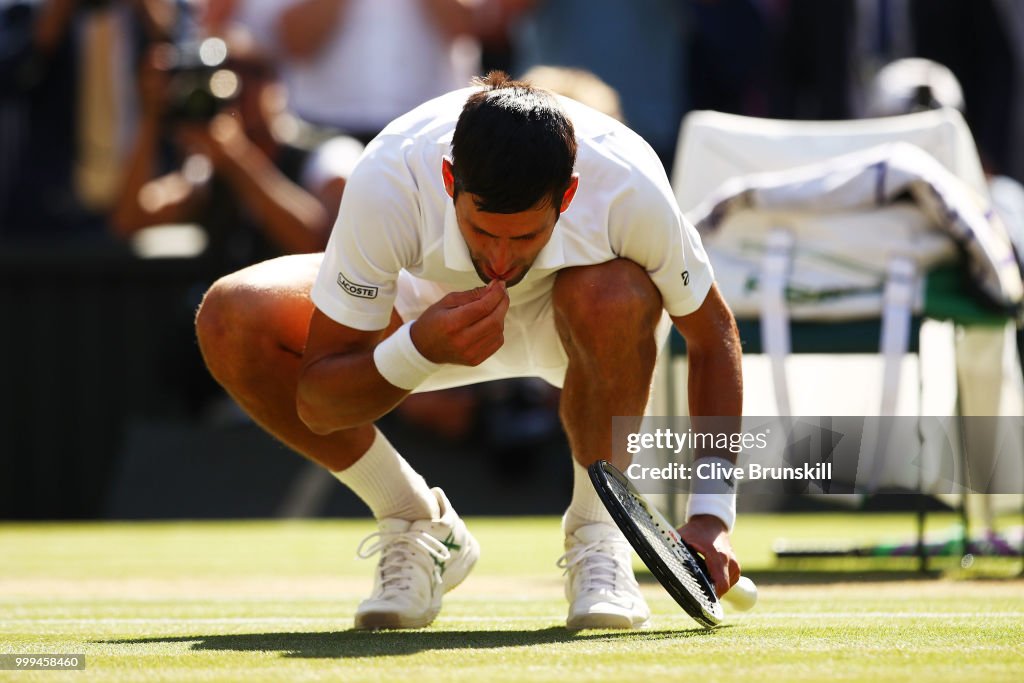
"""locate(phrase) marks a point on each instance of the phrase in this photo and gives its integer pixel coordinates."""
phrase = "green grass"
(273, 601)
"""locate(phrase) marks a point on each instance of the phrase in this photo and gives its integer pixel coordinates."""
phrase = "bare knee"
(612, 300)
(247, 317)
(221, 329)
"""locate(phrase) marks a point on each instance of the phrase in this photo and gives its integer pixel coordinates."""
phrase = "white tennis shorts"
(532, 346)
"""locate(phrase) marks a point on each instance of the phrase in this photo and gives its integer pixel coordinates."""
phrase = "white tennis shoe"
(419, 562)
(600, 585)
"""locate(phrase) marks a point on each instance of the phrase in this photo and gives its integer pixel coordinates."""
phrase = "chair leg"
(965, 526)
(922, 552)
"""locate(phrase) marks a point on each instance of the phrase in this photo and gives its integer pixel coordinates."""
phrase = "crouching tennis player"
(497, 231)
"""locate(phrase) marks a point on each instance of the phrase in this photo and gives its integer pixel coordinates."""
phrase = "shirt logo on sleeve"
(686, 277)
(353, 289)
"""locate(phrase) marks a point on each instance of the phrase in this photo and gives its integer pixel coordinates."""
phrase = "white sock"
(389, 485)
(586, 507)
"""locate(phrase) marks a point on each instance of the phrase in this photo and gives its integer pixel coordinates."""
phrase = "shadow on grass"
(799, 577)
(359, 644)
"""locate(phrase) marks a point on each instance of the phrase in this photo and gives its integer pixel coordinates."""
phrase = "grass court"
(273, 601)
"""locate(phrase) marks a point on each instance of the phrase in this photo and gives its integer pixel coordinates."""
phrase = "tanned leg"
(252, 328)
(606, 316)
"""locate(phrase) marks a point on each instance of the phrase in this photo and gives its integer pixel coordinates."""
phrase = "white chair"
(887, 303)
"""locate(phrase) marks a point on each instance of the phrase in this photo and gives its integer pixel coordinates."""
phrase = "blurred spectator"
(357, 64)
(580, 85)
(220, 109)
(494, 26)
(977, 40)
(731, 56)
(917, 84)
(883, 32)
(911, 85)
(65, 115)
(1011, 13)
(827, 52)
(816, 60)
(636, 47)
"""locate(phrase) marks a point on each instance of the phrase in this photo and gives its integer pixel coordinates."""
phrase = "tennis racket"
(676, 566)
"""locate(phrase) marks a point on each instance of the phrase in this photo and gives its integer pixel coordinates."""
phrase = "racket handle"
(742, 596)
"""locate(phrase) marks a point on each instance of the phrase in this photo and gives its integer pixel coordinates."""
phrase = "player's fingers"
(463, 298)
(734, 571)
(501, 309)
(489, 331)
(464, 315)
(719, 573)
(483, 349)
(457, 299)
(490, 325)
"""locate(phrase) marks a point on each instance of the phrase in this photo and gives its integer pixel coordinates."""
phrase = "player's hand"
(708, 536)
(464, 328)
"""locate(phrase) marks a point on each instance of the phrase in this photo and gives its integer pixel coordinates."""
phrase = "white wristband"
(400, 362)
(711, 492)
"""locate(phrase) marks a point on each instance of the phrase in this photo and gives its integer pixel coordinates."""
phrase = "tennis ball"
(742, 596)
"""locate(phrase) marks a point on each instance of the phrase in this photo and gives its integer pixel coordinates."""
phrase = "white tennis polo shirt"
(396, 215)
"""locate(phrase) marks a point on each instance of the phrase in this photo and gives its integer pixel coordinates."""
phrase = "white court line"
(883, 615)
(334, 621)
(235, 600)
(236, 620)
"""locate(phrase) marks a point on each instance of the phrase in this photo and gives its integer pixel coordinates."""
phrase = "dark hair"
(514, 148)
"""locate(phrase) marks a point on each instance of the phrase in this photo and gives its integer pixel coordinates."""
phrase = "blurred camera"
(200, 85)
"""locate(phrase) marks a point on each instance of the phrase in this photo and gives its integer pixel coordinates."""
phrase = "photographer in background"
(217, 109)
(66, 115)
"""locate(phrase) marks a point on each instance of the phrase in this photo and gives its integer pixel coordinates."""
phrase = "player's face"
(503, 246)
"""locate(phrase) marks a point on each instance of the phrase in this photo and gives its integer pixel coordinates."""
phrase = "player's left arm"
(647, 227)
(713, 351)
(715, 390)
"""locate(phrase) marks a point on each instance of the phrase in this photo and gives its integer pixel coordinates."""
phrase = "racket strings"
(665, 543)
(676, 556)
(659, 545)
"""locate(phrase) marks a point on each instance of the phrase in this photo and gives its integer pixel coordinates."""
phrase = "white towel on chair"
(847, 227)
